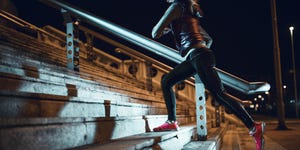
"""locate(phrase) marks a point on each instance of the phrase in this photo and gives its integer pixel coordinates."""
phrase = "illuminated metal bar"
(241, 84)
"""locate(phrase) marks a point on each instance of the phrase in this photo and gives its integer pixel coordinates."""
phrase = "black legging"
(202, 62)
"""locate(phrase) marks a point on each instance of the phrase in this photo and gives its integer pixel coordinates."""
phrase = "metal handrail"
(153, 46)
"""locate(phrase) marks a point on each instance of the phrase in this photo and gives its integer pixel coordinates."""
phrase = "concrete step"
(68, 132)
(174, 140)
(213, 142)
(184, 139)
(21, 104)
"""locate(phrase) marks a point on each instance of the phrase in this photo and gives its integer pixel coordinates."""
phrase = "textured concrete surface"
(199, 145)
(174, 140)
(61, 133)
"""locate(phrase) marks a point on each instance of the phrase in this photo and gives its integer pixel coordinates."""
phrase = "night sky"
(242, 30)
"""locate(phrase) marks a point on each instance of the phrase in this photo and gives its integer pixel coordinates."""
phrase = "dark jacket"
(183, 18)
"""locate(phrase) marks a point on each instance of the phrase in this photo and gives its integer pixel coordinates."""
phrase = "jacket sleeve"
(173, 12)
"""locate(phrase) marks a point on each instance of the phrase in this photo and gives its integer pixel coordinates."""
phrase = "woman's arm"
(173, 12)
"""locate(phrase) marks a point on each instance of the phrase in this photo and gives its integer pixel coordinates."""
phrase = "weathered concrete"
(199, 145)
(213, 142)
(41, 105)
(149, 140)
(61, 133)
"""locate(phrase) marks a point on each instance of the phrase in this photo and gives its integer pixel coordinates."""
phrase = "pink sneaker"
(167, 126)
(258, 135)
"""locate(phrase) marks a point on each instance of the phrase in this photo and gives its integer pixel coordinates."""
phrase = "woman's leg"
(203, 61)
(179, 73)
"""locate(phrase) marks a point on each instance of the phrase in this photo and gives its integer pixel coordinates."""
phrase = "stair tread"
(138, 141)
(34, 121)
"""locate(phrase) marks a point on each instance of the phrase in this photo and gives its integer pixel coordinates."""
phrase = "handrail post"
(218, 114)
(200, 109)
(149, 85)
(222, 114)
(72, 42)
(89, 47)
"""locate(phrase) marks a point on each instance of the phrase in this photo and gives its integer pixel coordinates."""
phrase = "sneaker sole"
(166, 130)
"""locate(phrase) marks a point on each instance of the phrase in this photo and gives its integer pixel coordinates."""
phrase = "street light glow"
(291, 30)
(259, 96)
(294, 71)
